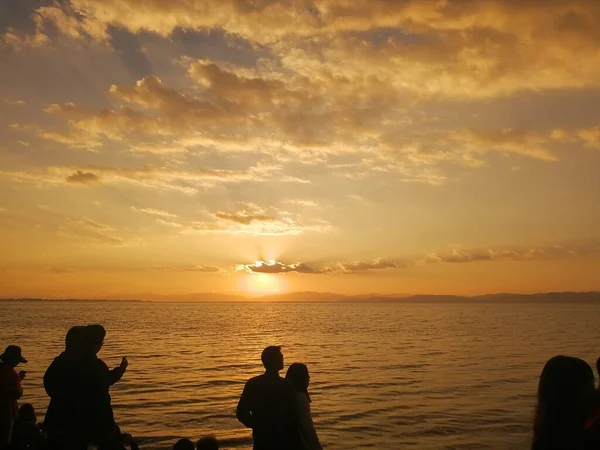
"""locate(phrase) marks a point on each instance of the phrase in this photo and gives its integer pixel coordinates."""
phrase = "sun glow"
(262, 284)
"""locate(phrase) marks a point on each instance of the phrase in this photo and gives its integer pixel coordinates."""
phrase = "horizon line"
(281, 298)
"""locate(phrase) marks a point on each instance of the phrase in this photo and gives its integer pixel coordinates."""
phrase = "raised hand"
(124, 363)
(22, 374)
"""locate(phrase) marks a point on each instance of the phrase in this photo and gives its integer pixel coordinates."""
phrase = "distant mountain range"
(321, 297)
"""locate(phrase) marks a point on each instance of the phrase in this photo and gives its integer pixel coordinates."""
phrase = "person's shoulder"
(98, 363)
(7, 371)
(255, 380)
(287, 384)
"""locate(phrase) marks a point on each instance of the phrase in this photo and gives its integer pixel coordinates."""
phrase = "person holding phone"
(99, 422)
(10, 391)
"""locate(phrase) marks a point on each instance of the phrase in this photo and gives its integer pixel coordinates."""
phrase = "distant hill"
(329, 297)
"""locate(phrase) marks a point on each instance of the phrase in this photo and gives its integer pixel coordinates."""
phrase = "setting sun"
(262, 284)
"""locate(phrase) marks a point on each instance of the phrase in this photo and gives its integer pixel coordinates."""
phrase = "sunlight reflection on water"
(388, 376)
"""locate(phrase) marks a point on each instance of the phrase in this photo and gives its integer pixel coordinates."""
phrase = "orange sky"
(328, 145)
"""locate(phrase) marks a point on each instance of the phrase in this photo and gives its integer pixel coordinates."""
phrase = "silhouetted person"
(78, 382)
(298, 375)
(208, 443)
(123, 442)
(101, 428)
(566, 406)
(268, 406)
(184, 444)
(598, 370)
(26, 432)
(64, 383)
(10, 391)
(128, 441)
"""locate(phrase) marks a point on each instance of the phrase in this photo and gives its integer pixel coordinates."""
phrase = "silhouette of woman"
(567, 399)
(298, 375)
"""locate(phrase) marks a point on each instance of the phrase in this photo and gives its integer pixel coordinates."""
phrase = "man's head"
(12, 356)
(94, 335)
(272, 358)
(598, 366)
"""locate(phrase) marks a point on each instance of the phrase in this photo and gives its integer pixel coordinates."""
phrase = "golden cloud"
(454, 48)
(452, 256)
(185, 181)
(154, 212)
(237, 112)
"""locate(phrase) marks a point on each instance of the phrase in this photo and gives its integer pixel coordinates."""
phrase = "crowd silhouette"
(80, 415)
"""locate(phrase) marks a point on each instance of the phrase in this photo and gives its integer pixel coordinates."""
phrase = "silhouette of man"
(598, 370)
(268, 406)
(10, 391)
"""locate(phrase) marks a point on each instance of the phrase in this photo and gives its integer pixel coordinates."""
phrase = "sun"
(262, 284)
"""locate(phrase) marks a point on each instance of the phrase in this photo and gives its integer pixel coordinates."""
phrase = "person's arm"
(117, 373)
(244, 411)
(309, 434)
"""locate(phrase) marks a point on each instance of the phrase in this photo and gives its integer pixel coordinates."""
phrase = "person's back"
(567, 402)
(64, 383)
(268, 406)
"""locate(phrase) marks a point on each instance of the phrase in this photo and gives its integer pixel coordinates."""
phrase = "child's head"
(27, 413)
(184, 444)
(208, 443)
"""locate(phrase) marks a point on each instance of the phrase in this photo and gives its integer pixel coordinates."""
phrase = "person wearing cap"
(10, 391)
(268, 406)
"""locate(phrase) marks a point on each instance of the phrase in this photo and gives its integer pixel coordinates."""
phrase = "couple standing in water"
(278, 409)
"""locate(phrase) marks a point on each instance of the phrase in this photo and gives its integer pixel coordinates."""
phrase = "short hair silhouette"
(598, 367)
(27, 413)
(208, 443)
(94, 337)
(74, 338)
(271, 357)
(184, 444)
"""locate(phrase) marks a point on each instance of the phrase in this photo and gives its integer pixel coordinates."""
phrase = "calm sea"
(385, 376)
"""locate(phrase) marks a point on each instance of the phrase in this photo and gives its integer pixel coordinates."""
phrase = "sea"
(383, 375)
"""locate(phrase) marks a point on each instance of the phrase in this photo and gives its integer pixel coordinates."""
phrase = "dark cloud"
(128, 46)
(361, 266)
(274, 267)
(454, 256)
(82, 177)
(244, 219)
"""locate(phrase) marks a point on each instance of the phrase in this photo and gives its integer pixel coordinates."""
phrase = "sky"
(264, 146)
